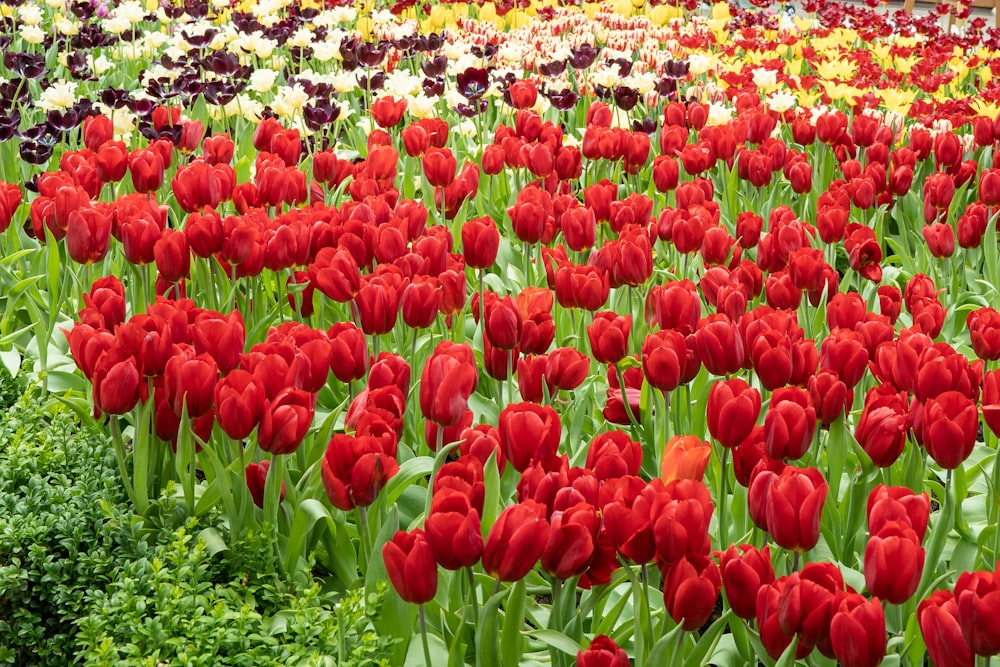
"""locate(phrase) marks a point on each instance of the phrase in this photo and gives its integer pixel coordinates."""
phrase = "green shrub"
(64, 528)
(180, 605)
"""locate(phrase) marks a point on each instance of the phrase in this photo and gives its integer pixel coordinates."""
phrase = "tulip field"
(602, 333)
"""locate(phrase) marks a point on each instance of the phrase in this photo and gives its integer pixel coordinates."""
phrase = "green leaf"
(556, 640)
(787, 658)
(213, 541)
(486, 633)
(409, 472)
(705, 645)
(307, 515)
(436, 647)
(511, 639)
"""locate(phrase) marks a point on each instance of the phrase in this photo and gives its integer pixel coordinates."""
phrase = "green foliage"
(85, 581)
(180, 605)
(63, 528)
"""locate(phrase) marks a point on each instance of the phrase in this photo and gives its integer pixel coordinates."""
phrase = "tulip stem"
(555, 618)
(363, 535)
(795, 562)
(628, 407)
(723, 500)
(423, 635)
(473, 598)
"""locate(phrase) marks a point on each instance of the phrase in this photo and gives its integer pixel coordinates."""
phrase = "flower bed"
(603, 333)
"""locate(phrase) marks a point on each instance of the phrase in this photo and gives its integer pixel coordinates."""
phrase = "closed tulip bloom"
(608, 337)
(775, 640)
(894, 563)
(789, 424)
(190, 383)
(572, 541)
(949, 429)
(984, 330)
(147, 168)
(335, 273)
(348, 352)
(256, 474)
(453, 530)
(674, 305)
(991, 400)
(807, 603)
(567, 368)
(719, 345)
(529, 432)
(795, 506)
(744, 571)
(503, 323)
(116, 384)
(613, 454)
(354, 470)
(223, 338)
(630, 530)
(387, 111)
(680, 527)
(439, 167)
(286, 421)
(732, 411)
(684, 457)
(857, 631)
(239, 404)
(937, 615)
(831, 397)
(420, 302)
(88, 234)
(882, 427)
(480, 242)
(690, 589)
(448, 379)
(888, 504)
(978, 597)
(409, 562)
(602, 652)
(664, 356)
(516, 541)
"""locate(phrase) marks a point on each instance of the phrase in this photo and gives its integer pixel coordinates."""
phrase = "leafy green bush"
(85, 581)
(64, 528)
(180, 605)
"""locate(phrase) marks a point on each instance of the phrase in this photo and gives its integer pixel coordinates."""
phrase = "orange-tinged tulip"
(684, 457)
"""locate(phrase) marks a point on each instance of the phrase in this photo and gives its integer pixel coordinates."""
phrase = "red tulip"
(453, 530)
(239, 404)
(410, 565)
(190, 382)
(516, 541)
(789, 424)
(147, 167)
(286, 421)
(664, 356)
(745, 570)
(348, 352)
(949, 429)
(608, 337)
(857, 631)
(572, 541)
(448, 379)
(890, 504)
(602, 652)
(794, 508)
(690, 589)
(480, 241)
(88, 234)
(719, 345)
(807, 604)
(977, 595)
(894, 563)
(354, 470)
(732, 410)
(256, 474)
(387, 111)
(938, 618)
(613, 454)
(528, 433)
